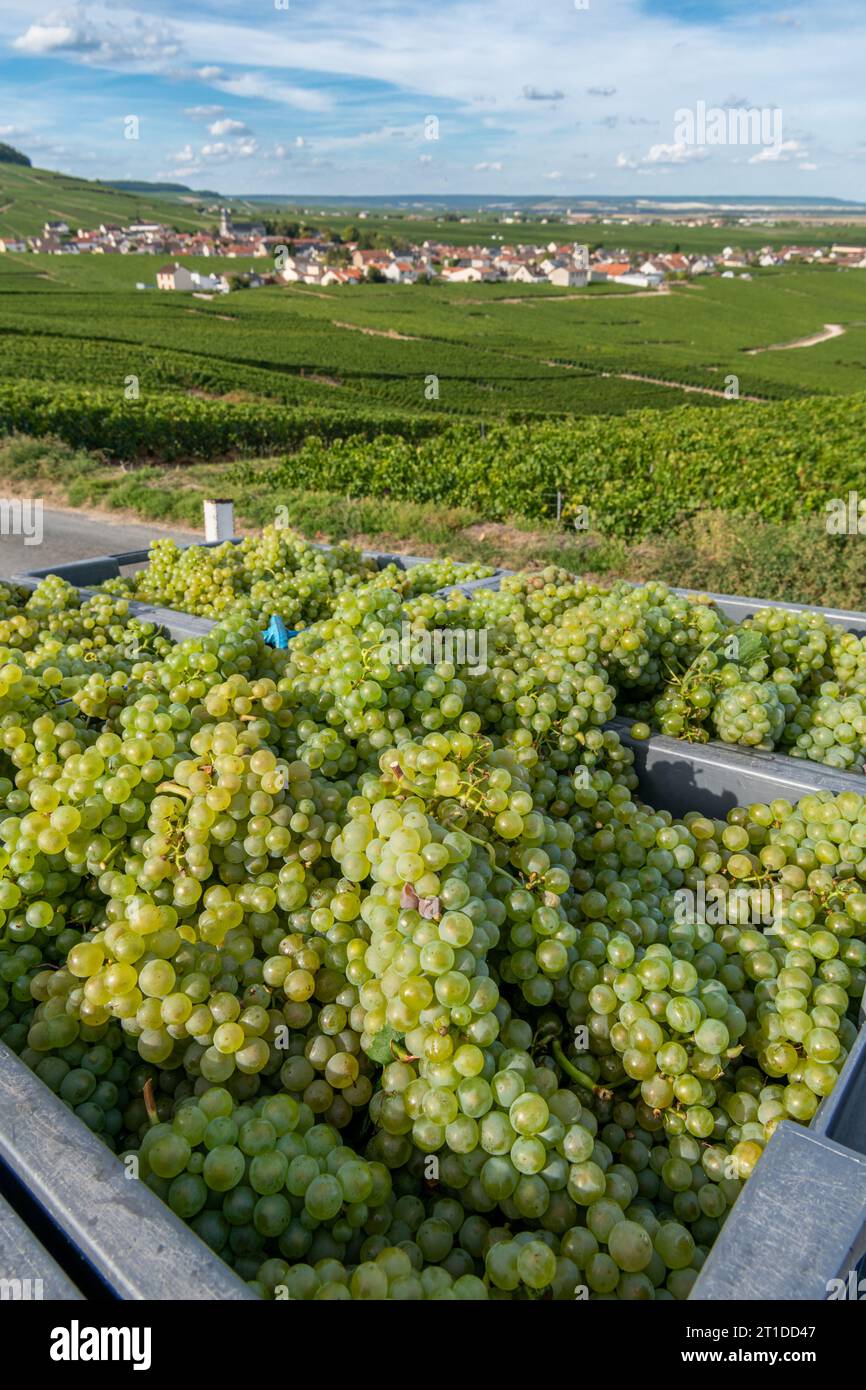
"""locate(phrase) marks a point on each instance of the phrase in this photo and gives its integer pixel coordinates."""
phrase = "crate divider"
(24, 1261)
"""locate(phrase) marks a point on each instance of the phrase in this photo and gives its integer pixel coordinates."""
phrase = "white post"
(219, 519)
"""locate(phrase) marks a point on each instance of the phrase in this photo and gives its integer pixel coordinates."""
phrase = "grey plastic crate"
(491, 581)
(768, 1248)
(842, 1115)
(775, 1244)
(27, 1270)
(738, 608)
(759, 1254)
(799, 1224)
(87, 575)
(714, 777)
(134, 1244)
(799, 772)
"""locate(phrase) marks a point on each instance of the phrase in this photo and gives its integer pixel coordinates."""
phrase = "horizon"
(499, 202)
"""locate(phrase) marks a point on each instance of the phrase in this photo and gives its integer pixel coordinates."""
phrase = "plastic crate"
(787, 768)
(713, 777)
(87, 575)
(801, 1219)
(738, 608)
(139, 1249)
(27, 1270)
(130, 1243)
(491, 581)
(799, 1224)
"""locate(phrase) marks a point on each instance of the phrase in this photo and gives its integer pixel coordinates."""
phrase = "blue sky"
(309, 96)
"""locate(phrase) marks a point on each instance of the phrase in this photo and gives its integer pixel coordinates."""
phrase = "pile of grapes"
(677, 665)
(275, 571)
(778, 679)
(380, 973)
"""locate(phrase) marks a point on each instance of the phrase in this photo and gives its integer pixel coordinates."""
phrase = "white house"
(527, 275)
(401, 273)
(639, 281)
(567, 277)
(294, 268)
(217, 283)
(175, 277)
(339, 276)
(9, 244)
(462, 274)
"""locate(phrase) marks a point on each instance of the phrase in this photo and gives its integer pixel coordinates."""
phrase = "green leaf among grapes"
(750, 645)
(380, 1048)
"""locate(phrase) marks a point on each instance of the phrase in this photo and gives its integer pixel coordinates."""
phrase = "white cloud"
(782, 153)
(229, 127)
(674, 154)
(809, 167)
(92, 37)
(47, 38)
(260, 86)
(425, 159)
(554, 175)
(203, 113)
(625, 161)
(184, 156)
(487, 167)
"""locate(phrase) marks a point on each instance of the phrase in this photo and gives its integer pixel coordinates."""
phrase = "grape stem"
(175, 790)
(150, 1102)
(581, 1077)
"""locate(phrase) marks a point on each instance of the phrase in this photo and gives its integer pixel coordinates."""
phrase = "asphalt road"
(71, 535)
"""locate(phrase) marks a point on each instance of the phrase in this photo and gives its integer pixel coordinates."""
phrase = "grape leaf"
(380, 1048)
(750, 646)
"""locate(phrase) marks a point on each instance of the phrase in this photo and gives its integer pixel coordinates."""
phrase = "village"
(317, 259)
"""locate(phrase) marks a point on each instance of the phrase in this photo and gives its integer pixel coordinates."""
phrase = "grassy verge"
(792, 561)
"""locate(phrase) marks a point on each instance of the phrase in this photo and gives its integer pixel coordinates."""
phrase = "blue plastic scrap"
(276, 634)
